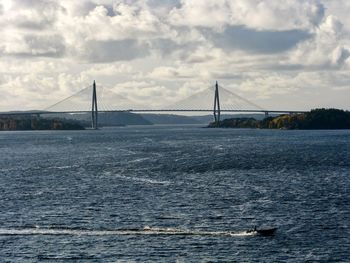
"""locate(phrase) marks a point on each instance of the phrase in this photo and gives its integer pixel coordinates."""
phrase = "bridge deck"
(150, 110)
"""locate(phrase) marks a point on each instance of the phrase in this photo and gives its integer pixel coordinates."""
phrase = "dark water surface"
(174, 194)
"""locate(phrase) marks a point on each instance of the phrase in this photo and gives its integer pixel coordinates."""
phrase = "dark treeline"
(315, 119)
(12, 123)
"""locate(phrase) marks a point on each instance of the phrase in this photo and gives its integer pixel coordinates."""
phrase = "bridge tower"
(94, 110)
(217, 110)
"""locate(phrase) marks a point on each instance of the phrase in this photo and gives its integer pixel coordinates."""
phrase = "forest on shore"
(13, 123)
(314, 120)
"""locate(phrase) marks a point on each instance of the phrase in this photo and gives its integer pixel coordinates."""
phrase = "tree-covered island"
(314, 120)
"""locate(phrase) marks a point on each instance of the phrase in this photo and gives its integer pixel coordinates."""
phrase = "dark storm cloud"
(109, 51)
(239, 37)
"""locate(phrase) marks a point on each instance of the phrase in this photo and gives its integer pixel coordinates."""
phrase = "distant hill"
(130, 118)
(109, 118)
(121, 119)
(205, 119)
(170, 119)
(313, 120)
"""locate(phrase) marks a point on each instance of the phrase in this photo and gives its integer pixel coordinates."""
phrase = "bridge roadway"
(148, 110)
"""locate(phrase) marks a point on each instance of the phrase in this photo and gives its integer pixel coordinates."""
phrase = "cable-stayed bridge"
(91, 99)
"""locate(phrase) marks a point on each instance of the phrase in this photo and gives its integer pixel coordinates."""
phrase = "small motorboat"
(263, 232)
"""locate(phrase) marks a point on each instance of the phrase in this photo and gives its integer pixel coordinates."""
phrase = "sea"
(174, 194)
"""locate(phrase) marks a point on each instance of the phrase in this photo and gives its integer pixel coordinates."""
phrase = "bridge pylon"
(216, 110)
(94, 110)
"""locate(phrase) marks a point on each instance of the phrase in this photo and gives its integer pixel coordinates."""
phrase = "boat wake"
(134, 231)
(143, 180)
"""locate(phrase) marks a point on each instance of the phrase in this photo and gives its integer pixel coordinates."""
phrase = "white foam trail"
(61, 167)
(138, 160)
(141, 231)
(142, 180)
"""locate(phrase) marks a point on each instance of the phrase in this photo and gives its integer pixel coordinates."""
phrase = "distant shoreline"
(30, 123)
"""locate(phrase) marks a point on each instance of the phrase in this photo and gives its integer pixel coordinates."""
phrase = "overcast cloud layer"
(291, 54)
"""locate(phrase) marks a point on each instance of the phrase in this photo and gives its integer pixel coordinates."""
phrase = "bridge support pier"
(94, 110)
(216, 110)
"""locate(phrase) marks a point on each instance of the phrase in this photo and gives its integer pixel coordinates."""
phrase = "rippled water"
(174, 194)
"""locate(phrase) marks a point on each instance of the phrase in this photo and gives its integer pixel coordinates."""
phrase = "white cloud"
(303, 90)
(38, 66)
(160, 51)
(98, 25)
(172, 73)
(261, 15)
(108, 69)
(325, 48)
(102, 37)
(26, 28)
(33, 15)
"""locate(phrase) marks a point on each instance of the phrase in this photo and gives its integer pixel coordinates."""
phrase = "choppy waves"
(196, 189)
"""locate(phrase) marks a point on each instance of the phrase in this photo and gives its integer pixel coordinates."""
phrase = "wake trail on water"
(142, 180)
(142, 231)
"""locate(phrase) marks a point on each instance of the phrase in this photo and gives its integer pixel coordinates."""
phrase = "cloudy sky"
(291, 54)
